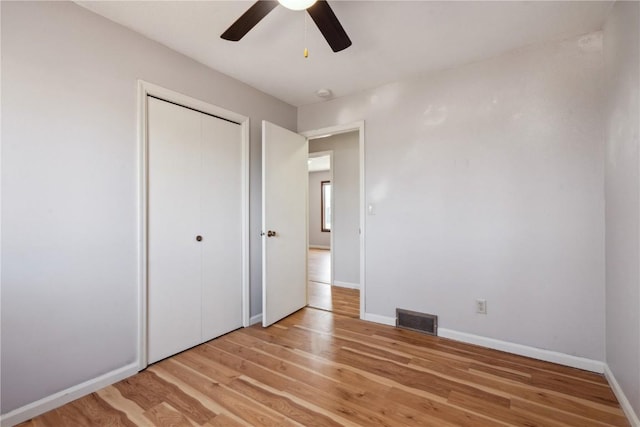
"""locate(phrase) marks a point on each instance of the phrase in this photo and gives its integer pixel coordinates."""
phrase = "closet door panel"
(221, 227)
(174, 255)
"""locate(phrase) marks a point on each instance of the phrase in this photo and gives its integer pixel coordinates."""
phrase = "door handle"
(271, 233)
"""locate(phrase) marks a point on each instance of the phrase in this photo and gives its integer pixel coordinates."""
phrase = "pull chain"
(306, 51)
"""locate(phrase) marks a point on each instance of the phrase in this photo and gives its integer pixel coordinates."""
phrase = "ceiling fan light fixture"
(297, 4)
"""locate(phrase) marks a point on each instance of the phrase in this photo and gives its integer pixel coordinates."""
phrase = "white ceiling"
(392, 40)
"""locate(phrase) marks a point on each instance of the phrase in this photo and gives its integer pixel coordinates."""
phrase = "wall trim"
(385, 320)
(255, 319)
(509, 347)
(60, 398)
(525, 350)
(346, 285)
(320, 247)
(622, 398)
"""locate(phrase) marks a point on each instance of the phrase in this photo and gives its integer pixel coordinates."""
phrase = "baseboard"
(346, 285)
(509, 347)
(622, 398)
(320, 247)
(65, 396)
(385, 320)
(255, 319)
(525, 350)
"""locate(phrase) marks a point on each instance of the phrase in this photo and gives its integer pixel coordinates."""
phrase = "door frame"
(322, 154)
(335, 130)
(149, 89)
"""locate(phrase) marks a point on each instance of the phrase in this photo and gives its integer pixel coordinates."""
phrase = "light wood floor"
(324, 296)
(317, 368)
(335, 299)
(319, 262)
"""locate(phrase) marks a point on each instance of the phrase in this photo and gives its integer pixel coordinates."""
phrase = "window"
(325, 205)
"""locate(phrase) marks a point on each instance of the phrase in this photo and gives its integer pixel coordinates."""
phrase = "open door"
(284, 222)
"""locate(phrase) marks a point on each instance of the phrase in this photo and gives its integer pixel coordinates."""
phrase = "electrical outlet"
(481, 306)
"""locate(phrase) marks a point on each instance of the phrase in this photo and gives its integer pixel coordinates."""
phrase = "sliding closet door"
(221, 227)
(174, 254)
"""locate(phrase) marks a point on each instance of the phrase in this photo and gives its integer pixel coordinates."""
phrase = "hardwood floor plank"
(368, 386)
(339, 398)
(283, 405)
(489, 356)
(148, 391)
(190, 386)
(202, 364)
(585, 390)
(90, 410)
(499, 412)
(578, 420)
(163, 415)
(222, 420)
(234, 403)
(112, 396)
(441, 411)
(319, 295)
(319, 262)
(317, 368)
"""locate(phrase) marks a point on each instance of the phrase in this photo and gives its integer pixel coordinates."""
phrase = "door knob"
(271, 233)
(199, 238)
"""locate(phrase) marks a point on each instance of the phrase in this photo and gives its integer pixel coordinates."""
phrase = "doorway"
(334, 223)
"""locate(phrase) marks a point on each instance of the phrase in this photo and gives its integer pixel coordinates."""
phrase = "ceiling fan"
(319, 10)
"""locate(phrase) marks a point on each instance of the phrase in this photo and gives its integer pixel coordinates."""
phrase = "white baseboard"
(622, 398)
(255, 319)
(65, 396)
(525, 350)
(509, 347)
(385, 320)
(320, 247)
(347, 285)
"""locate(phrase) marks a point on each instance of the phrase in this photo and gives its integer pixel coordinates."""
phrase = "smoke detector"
(323, 93)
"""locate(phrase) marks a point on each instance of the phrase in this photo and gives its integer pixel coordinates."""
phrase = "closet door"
(221, 227)
(174, 254)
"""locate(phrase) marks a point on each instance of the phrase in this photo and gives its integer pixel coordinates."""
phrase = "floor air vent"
(420, 322)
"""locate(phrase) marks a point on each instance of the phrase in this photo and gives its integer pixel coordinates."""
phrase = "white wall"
(621, 46)
(487, 181)
(317, 237)
(346, 200)
(69, 189)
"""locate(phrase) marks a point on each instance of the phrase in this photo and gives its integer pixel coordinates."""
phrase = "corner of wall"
(622, 398)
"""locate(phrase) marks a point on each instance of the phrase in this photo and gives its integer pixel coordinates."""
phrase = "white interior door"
(174, 254)
(194, 228)
(284, 211)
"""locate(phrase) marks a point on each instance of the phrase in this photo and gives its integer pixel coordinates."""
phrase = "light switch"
(371, 210)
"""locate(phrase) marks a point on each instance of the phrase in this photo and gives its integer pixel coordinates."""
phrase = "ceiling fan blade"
(329, 26)
(248, 20)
